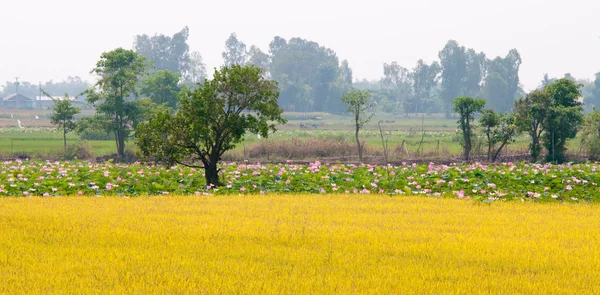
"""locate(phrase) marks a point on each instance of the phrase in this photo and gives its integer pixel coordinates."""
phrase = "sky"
(51, 40)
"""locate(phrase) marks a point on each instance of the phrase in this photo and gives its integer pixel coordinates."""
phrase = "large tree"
(165, 52)
(119, 71)
(454, 73)
(425, 80)
(398, 81)
(476, 64)
(530, 113)
(213, 119)
(507, 69)
(564, 118)
(466, 108)
(306, 72)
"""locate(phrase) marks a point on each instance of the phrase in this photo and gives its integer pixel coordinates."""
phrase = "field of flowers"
(527, 182)
(296, 244)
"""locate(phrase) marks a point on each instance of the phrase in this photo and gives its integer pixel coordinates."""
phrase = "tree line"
(311, 77)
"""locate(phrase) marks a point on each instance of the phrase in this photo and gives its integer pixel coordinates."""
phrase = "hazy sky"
(43, 40)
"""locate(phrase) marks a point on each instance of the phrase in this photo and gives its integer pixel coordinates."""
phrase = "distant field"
(402, 134)
(298, 244)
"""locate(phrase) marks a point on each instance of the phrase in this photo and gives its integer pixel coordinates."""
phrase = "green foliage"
(499, 128)
(358, 102)
(590, 134)
(162, 88)
(530, 112)
(212, 119)
(466, 108)
(119, 71)
(516, 182)
(63, 115)
(564, 118)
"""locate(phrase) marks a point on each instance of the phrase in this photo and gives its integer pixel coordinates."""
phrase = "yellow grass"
(296, 244)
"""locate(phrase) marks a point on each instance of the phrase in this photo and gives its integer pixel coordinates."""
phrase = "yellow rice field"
(296, 244)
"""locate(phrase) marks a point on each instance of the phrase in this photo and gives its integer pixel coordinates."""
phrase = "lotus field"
(526, 182)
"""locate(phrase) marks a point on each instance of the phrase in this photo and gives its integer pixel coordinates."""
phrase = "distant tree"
(570, 77)
(546, 81)
(26, 89)
(325, 86)
(425, 79)
(277, 46)
(307, 74)
(196, 72)
(358, 102)
(530, 113)
(590, 134)
(259, 59)
(495, 93)
(499, 128)
(454, 73)
(235, 51)
(476, 66)
(119, 71)
(165, 52)
(162, 87)
(398, 80)
(72, 86)
(594, 96)
(489, 120)
(512, 64)
(508, 69)
(345, 72)
(63, 115)
(213, 119)
(466, 108)
(564, 118)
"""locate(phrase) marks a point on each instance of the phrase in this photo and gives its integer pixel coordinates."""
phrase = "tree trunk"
(211, 174)
(65, 136)
(360, 152)
(120, 144)
(535, 142)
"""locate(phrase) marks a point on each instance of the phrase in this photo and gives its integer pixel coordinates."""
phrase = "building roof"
(43, 98)
(17, 97)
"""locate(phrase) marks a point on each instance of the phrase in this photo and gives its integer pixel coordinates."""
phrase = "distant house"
(48, 101)
(17, 101)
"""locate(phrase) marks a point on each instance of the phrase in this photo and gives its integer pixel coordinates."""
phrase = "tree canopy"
(112, 95)
(213, 119)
